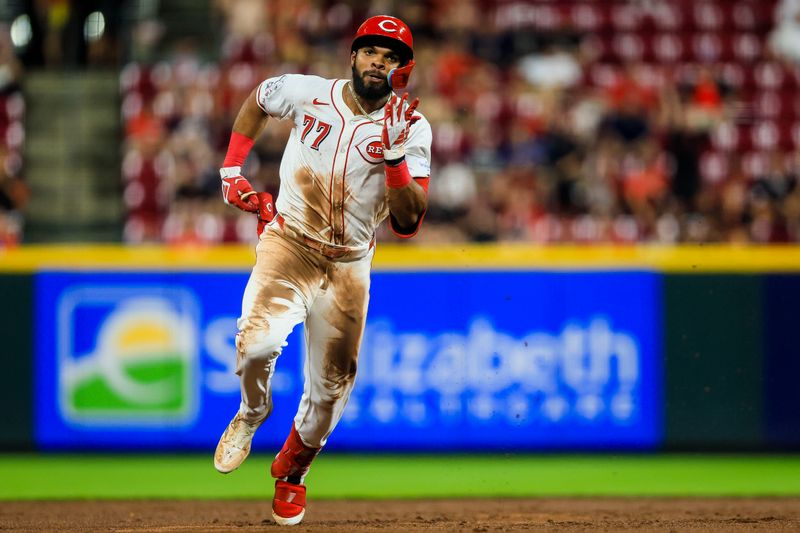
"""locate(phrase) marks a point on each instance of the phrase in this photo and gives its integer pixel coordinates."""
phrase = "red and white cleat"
(294, 459)
(289, 503)
(290, 468)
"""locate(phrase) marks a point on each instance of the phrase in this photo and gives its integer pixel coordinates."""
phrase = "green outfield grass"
(25, 476)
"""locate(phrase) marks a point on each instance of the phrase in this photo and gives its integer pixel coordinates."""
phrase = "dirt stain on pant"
(291, 284)
(347, 315)
(285, 279)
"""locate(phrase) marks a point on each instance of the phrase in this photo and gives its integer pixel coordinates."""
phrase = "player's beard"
(370, 93)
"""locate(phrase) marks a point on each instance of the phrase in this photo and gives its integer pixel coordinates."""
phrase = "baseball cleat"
(289, 503)
(234, 445)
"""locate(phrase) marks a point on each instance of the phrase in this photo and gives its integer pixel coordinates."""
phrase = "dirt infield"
(598, 514)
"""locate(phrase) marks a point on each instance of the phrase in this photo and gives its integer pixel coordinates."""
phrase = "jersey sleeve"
(277, 97)
(418, 149)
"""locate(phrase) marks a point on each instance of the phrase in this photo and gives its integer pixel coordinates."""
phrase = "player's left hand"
(266, 210)
(398, 117)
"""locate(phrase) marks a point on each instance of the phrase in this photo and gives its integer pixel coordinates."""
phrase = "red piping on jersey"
(258, 101)
(344, 172)
(333, 165)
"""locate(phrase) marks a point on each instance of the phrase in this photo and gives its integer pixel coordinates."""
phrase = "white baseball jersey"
(332, 173)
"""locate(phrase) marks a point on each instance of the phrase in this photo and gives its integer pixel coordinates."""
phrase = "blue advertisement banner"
(449, 361)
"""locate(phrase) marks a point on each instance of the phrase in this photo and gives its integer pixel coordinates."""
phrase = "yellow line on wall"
(707, 258)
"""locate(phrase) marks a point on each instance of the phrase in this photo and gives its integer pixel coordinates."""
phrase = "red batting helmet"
(383, 27)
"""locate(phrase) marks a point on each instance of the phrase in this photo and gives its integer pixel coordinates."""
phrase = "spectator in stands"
(14, 196)
(14, 192)
(546, 146)
(552, 68)
(630, 103)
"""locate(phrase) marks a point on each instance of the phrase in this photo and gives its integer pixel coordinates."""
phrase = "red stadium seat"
(668, 48)
(708, 16)
(765, 135)
(714, 167)
(603, 75)
(733, 74)
(754, 163)
(768, 105)
(707, 47)
(770, 76)
(548, 18)
(755, 16)
(626, 17)
(787, 135)
(725, 137)
(793, 77)
(587, 17)
(628, 46)
(747, 47)
(667, 17)
(783, 105)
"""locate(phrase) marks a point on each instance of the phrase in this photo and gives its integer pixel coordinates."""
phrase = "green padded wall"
(16, 354)
(714, 370)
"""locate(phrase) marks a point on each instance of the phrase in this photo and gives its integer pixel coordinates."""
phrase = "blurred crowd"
(569, 121)
(14, 191)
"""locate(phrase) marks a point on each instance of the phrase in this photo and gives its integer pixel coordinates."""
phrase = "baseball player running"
(357, 154)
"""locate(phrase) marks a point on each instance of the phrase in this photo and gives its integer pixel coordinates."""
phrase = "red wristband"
(238, 149)
(398, 176)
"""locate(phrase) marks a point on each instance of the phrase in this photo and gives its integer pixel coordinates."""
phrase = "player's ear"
(353, 58)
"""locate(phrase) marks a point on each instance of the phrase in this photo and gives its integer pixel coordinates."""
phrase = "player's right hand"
(397, 120)
(237, 191)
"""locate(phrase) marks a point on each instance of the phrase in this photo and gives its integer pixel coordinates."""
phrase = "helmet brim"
(406, 54)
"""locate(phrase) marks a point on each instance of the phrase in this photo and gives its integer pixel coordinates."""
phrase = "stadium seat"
(753, 15)
(628, 47)
(765, 135)
(713, 167)
(707, 47)
(747, 47)
(626, 17)
(770, 76)
(754, 163)
(587, 17)
(667, 17)
(732, 74)
(708, 16)
(725, 137)
(668, 48)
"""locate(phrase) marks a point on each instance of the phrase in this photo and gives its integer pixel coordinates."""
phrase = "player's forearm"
(247, 127)
(408, 203)
(236, 190)
(251, 119)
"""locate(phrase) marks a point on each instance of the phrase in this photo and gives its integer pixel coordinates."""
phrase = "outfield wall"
(467, 348)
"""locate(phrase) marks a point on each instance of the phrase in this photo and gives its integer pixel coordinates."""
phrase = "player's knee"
(342, 370)
(260, 345)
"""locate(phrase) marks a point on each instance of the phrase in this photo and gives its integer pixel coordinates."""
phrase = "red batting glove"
(236, 190)
(398, 117)
(266, 210)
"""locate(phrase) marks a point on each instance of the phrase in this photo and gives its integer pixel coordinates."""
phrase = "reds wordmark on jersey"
(332, 177)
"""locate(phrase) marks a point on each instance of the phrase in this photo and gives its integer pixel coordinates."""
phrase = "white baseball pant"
(289, 284)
